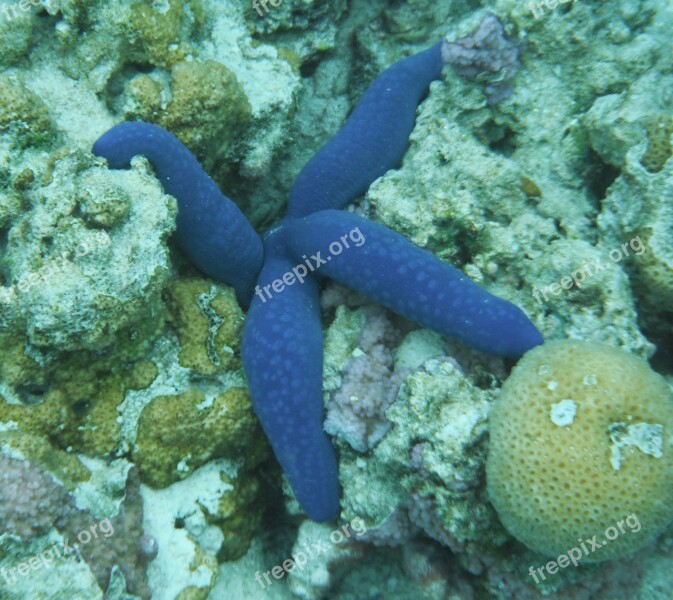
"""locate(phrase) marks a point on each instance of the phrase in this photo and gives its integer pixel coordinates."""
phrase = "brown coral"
(658, 144)
(178, 434)
(209, 322)
(159, 35)
(24, 113)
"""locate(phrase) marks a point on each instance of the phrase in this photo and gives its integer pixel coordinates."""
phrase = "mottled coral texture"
(485, 52)
(32, 502)
(356, 411)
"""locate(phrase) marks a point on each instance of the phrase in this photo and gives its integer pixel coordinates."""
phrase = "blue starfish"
(282, 340)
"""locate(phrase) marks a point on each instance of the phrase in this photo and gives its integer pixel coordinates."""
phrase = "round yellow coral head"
(582, 446)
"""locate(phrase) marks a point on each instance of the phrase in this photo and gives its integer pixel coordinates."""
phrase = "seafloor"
(131, 462)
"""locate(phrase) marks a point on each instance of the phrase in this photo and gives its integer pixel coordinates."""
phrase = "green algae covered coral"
(181, 435)
(208, 322)
(73, 401)
(581, 439)
(208, 109)
(159, 33)
(659, 144)
(24, 114)
(177, 434)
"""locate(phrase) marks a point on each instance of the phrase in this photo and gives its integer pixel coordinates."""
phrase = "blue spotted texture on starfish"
(282, 339)
(283, 355)
(211, 230)
(373, 139)
(412, 282)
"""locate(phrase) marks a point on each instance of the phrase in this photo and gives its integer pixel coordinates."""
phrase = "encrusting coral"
(208, 322)
(72, 405)
(659, 149)
(165, 451)
(158, 35)
(208, 109)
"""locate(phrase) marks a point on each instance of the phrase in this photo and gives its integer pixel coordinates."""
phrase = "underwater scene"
(336, 299)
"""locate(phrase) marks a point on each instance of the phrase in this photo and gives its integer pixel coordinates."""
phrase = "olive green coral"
(207, 107)
(209, 322)
(73, 401)
(658, 151)
(24, 114)
(238, 515)
(159, 34)
(177, 434)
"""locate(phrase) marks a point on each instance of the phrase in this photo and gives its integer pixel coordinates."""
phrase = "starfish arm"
(410, 281)
(211, 230)
(283, 356)
(373, 139)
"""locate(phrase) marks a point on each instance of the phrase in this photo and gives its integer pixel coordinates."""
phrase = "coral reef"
(24, 117)
(639, 204)
(208, 109)
(162, 36)
(373, 139)
(356, 411)
(551, 189)
(59, 287)
(658, 151)
(130, 550)
(208, 322)
(429, 442)
(73, 405)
